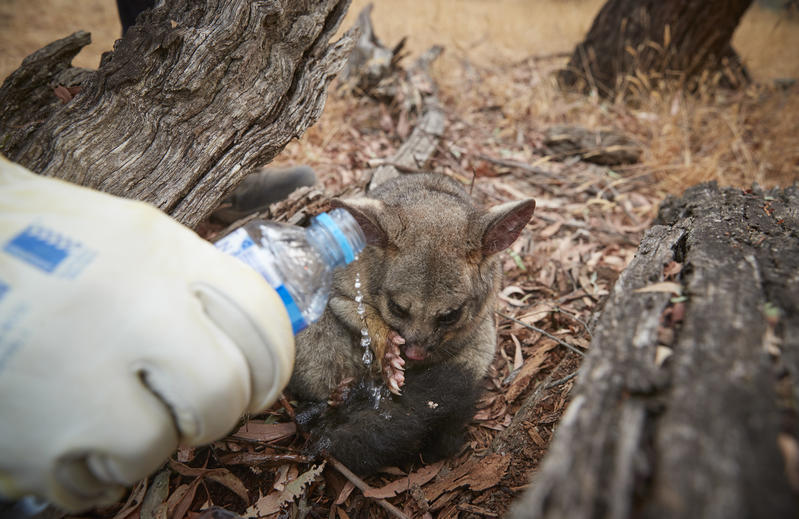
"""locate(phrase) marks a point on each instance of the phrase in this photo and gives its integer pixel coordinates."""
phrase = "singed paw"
(340, 392)
(393, 364)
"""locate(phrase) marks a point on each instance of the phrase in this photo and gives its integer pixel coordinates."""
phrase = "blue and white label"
(239, 245)
(49, 251)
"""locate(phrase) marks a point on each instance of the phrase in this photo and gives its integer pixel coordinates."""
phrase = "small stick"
(516, 164)
(363, 487)
(257, 458)
(543, 332)
(287, 406)
(573, 316)
(561, 381)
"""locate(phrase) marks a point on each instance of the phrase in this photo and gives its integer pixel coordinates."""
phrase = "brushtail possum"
(427, 280)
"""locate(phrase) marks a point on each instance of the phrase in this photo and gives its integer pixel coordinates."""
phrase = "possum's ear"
(366, 212)
(504, 223)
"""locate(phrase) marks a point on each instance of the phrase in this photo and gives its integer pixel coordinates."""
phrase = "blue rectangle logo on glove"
(49, 251)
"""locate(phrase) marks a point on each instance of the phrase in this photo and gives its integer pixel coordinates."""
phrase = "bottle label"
(239, 245)
(298, 322)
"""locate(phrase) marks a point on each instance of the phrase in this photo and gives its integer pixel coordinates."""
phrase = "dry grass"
(735, 138)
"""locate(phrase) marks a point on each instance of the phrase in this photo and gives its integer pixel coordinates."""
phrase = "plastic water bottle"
(298, 262)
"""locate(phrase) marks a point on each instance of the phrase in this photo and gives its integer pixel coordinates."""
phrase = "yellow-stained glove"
(122, 334)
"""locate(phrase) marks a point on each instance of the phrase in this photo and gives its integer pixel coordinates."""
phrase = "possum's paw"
(393, 364)
(340, 393)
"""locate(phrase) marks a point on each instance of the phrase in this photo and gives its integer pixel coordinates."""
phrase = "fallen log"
(686, 405)
(191, 100)
(418, 149)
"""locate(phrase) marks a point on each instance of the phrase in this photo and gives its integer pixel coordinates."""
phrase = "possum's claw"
(393, 364)
(340, 392)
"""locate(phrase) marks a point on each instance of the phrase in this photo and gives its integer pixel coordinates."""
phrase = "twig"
(363, 487)
(543, 332)
(287, 406)
(465, 507)
(574, 317)
(516, 164)
(580, 225)
(258, 458)
(560, 381)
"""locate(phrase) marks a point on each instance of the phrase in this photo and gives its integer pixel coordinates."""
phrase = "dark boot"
(257, 191)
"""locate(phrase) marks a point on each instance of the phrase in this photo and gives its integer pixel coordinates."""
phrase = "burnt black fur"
(426, 423)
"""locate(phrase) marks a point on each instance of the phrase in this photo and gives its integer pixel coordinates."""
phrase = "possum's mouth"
(415, 352)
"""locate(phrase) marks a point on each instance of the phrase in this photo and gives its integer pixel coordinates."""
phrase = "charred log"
(686, 403)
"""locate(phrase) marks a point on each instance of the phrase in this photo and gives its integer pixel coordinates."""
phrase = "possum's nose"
(415, 351)
(418, 343)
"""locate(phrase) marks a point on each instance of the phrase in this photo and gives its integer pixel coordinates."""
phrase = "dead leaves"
(272, 502)
(65, 94)
(220, 475)
(266, 432)
(531, 366)
(414, 479)
(477, 474)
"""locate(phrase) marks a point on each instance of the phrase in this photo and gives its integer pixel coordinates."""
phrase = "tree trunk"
(634, 45)
(687, 406)
(191, 100)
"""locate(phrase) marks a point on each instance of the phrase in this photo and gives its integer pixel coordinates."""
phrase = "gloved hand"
(122, 333)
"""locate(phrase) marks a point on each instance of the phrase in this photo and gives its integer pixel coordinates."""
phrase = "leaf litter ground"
(587, 225)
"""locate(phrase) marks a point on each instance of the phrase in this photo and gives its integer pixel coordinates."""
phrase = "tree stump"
(686, 404)
(191, 100)
(634, 45)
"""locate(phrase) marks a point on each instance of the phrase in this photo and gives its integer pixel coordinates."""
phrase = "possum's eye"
(397, 310)
(450, 316)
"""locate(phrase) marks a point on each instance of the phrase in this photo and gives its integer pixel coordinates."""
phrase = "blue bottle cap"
(330, 225)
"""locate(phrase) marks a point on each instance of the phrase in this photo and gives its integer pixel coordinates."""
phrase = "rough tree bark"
(192, 99)
(687, 408)
(637, 44)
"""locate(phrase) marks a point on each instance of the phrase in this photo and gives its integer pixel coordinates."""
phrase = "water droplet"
(376, 397)
(366, 341)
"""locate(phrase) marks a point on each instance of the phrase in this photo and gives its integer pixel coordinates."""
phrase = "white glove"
(122, 333)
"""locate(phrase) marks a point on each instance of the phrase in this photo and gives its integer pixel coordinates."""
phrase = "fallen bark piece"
(418, 149)
(604, 147)
(698, 433)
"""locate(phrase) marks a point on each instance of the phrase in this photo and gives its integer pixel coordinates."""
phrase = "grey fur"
(430, 252)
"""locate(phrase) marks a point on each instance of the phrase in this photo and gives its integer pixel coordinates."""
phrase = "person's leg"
(129, 9)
